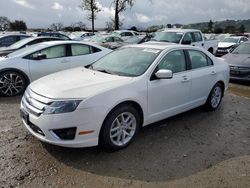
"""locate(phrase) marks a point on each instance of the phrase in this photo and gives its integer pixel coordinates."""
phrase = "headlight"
(59, 107)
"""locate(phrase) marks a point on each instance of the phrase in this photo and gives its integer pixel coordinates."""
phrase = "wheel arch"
(18, 71)
(223, 86)
(132, 103)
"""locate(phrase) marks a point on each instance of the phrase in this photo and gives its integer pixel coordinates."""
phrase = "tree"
(91, 5)
(4, 23)
(18, 25)
(120, 6)
(133, 28)
(242, 29)
(230, 29)
(81, 25)
(210, 26)
(56, 26)
(218, 30)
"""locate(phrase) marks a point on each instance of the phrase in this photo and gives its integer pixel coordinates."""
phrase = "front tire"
(120, 128)
(215, 97)
(12, 83)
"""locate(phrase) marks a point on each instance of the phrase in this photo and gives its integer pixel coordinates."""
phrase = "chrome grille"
(34, 103)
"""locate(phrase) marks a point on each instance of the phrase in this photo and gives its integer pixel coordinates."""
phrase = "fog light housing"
(65, 134)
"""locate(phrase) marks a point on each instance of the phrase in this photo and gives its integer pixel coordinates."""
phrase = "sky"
(144, 13)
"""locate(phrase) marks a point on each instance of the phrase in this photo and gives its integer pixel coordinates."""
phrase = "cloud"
(142, 18)
(57, 6)
(24, 3)
(142, 14)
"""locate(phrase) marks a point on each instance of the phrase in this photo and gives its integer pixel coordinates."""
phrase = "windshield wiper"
(164, 41)
(104, 71)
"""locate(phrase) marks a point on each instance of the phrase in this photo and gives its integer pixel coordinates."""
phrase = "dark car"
(239, 61)
(54, 34)
(24, 43)
(9, 39)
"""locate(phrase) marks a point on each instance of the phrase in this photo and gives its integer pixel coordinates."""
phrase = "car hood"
(225, 44)
(237, 59)
(76, 83)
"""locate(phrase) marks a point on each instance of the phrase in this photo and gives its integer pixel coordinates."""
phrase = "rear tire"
(12, 83)
(120, 128)
(215, 97)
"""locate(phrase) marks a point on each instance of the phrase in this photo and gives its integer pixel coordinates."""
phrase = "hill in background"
(226, 26)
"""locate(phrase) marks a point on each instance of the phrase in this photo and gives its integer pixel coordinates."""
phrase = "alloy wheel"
(11, 84)
(123, 129)
(216, 96)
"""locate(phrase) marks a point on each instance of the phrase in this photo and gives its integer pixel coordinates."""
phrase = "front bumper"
(239, 73)
(82, 119)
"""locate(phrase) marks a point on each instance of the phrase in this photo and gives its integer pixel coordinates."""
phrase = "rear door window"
(199, 59)
(51, 53)
(80, 49)
(197, 37)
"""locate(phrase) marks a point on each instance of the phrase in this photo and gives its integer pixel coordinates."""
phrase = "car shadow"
(170, 149)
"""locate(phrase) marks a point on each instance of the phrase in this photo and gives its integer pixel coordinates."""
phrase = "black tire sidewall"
(21, 76)
(105, 140)
(208, 103)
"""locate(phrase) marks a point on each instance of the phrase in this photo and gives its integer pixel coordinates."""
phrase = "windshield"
(21, 43)
(173, 37)
(243, 48)
(232, 40)
(127, 61)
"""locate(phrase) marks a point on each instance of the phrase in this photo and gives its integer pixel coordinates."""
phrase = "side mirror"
(41, 56)
(187, 42)
(164, 74)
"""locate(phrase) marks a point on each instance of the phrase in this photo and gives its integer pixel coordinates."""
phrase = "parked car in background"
(23, 66)
(108, 41)
(187, 37)
(125, 90)
(87, 36)
(25, 43)
(228, 43)
(138, 39)
(79, 36)
(9, 39)
(124, 34)
(239, 61)
(221, 37)
(55, 34)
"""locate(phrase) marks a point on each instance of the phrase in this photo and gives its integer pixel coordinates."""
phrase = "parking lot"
(194, 149)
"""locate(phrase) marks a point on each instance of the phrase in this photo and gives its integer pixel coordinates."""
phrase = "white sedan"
(20, 68)
(129, 88)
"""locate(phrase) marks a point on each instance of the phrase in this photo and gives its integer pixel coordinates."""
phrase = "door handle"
(65, 61)
(185, 79)
(213, 73)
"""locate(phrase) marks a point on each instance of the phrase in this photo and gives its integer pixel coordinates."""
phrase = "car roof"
(158, 45)
(236, 37)
(178, 30)
(42, 45)
(120, 31)
(13, 34)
